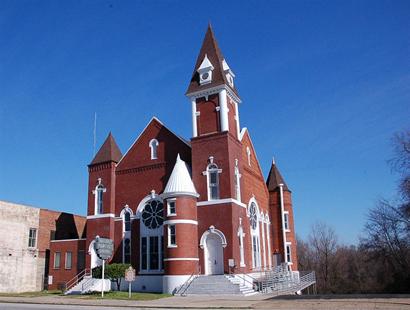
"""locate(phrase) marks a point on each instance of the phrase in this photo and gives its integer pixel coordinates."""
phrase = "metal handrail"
(77, 278)
(254, 280)
(184, 287)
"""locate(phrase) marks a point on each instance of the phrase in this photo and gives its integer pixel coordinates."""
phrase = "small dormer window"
(228, 73)
(205, 71)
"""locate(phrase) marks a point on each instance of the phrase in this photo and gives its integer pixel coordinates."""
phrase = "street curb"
(122, 306)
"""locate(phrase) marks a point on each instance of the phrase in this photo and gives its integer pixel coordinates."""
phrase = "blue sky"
(324, 85)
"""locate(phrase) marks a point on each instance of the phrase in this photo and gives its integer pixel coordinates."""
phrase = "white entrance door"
(214, 254)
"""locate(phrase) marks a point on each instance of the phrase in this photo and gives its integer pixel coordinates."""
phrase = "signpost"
(129, 277)
(104, 248)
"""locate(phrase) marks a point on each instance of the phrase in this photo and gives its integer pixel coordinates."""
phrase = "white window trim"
(95, 192)
(35, 237)
(125, 210)
(256, 264)
(153, 144)
(207, 173)
(288, 244)
(169, 244)
(248, 153)
(237, 177)
(66, 259)
(286, 216)
(54, 261)
(169, 200)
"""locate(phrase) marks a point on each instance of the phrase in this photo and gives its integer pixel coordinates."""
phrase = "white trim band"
(98, 216)
(181, 222)
(180, 258)
(221, 201)
(68, 240)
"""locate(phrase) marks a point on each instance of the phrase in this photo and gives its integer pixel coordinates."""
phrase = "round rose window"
(152, 216)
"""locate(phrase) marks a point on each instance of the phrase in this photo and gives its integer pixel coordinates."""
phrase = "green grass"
(96, 295)
(32, 294)
(123, 295)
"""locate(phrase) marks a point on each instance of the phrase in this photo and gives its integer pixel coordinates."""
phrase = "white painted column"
(238, 127)
(282, 211)
(263, 243)
(269, 248)
(194, 118)
(223, 110)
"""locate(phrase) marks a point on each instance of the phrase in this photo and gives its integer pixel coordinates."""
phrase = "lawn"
(96, 295)
(32, 294)
(123, 295)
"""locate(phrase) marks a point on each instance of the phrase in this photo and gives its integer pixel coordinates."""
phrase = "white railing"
(184, 287)
(74, 281)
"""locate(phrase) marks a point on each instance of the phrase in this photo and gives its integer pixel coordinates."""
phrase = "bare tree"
(323, 242)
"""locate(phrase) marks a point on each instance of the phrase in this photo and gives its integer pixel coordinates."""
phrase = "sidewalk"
(191, 302)
(336, 302)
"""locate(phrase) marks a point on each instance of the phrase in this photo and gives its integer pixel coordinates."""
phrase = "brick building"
(26, 236)
(175, 207)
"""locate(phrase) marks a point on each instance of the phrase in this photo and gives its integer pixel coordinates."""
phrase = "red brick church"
(177, 207)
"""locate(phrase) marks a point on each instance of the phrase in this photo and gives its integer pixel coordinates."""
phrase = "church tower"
(180, 228)
(216, 150)
(101, 195)
(280, 204)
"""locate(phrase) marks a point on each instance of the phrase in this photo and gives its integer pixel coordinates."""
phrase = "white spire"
(180, 182)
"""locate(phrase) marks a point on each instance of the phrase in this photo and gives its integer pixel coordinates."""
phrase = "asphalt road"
(19, 306)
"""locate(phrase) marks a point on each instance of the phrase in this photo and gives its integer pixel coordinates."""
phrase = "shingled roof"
(109, 151)
(275, 178)
(211, 49)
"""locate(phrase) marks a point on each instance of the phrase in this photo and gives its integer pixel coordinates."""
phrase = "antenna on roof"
(95, 132)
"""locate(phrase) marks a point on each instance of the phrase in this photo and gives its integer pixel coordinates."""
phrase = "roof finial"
(273, 160)
(178, 158)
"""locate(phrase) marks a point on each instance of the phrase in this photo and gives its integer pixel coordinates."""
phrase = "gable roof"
(211, 50)
(155, 120)
(275, 178)
(109, 151)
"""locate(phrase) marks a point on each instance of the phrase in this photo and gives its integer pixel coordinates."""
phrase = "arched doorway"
(213, 241)
(214, 255)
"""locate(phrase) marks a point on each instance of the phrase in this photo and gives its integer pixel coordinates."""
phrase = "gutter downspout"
(282, 211)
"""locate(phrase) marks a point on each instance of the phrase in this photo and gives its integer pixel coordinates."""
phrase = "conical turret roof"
(275, 178)
(109, 151)
(180, 182)
(211, 51)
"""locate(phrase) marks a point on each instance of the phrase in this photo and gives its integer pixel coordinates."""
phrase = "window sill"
(151, 272)
(170, 246)
(172, 214)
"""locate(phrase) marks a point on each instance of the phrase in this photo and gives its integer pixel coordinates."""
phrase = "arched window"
(248, 153)
(153, 144)
(253, 213)
(151, 214)
(237, 180)
(212, 175)
(126, 215)
(98, 194)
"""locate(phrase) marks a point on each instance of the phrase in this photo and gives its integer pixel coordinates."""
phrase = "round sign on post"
(129, 277)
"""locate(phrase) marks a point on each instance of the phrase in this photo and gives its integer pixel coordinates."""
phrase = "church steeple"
(211, 68)
(108, 152)
(212, 92)
(275, 179)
